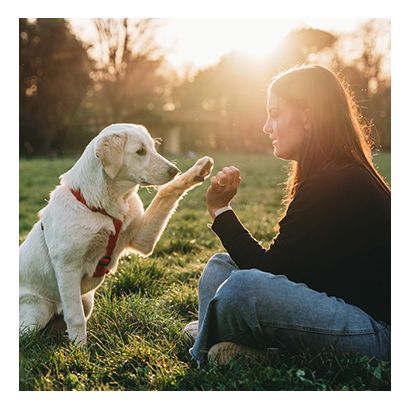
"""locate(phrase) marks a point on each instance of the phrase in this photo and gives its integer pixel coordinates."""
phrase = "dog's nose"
(173, 170)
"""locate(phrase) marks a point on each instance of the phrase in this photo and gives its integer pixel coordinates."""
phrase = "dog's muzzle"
(173, 170)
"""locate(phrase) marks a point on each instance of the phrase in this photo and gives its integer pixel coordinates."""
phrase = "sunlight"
(200, 43)
(204, 41)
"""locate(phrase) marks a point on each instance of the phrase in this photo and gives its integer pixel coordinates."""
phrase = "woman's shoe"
(190, 331)
(221, 353)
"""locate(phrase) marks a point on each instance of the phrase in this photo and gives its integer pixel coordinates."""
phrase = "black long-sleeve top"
(334, 237)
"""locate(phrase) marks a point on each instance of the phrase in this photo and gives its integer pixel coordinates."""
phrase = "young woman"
(325, 279)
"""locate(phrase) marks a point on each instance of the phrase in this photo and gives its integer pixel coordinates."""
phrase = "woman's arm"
(243, 248)
(239, 243)
(298, 248)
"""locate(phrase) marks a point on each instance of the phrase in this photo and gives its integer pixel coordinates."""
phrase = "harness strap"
(101, 270)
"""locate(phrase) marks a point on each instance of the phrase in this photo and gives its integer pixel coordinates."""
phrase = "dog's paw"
(189, 179)
(201, 169)
(78, 335)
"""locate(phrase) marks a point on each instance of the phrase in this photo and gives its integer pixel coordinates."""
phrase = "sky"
(201, 42)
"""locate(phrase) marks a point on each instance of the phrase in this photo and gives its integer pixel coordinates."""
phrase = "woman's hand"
(223, 188)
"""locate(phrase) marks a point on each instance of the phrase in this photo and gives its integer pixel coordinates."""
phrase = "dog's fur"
(61, 252)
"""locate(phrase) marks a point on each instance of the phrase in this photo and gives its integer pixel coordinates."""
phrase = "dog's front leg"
(69, 286)
(165, 202)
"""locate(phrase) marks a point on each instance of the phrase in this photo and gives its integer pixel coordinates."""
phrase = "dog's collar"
(112, 241)
(77, 193)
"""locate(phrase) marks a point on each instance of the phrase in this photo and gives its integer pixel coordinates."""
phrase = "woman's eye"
(141, 151)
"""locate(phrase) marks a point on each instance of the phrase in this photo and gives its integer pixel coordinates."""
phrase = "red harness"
(101, 270)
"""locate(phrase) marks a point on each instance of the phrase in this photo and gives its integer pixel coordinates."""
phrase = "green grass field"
(134, 334)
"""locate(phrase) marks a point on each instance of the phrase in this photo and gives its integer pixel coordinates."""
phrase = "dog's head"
(127, 153)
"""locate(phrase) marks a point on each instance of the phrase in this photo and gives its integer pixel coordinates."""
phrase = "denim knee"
(211, 273)
(218, 258)
(233, 295)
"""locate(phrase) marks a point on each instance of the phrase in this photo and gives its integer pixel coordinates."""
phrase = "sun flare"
(204, 41)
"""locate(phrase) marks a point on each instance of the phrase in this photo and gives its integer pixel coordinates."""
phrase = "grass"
(134, 334)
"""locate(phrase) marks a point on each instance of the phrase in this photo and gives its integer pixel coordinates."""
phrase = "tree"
(54, 77)
(366, 66)
(128, 69)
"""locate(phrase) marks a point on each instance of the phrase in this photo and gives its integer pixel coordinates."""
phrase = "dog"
(93, 217)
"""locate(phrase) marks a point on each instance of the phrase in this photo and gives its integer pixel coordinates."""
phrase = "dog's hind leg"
(35, 312)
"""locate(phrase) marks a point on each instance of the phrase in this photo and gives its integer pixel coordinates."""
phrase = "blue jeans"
(263, 310)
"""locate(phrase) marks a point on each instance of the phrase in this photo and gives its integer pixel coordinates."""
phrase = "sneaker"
(190, 331)
(222, 353)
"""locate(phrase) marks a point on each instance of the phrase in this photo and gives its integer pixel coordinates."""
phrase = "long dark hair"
(338, 129)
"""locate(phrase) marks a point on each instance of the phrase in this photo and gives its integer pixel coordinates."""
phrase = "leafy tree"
(54, 77)
(364, 58)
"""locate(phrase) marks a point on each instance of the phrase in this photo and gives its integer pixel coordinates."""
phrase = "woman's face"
(285, 128)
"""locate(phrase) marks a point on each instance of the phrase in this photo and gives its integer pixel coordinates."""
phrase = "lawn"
(134, 334)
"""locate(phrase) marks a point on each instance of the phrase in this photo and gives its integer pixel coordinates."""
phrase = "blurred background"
(197, 84)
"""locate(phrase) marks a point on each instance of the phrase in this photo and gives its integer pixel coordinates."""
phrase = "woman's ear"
(110, 151)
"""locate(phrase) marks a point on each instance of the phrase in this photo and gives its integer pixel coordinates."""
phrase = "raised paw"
(192, 177)
(202, 168)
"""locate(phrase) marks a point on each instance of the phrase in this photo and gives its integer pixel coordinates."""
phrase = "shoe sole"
(190, 331)
(222, 353)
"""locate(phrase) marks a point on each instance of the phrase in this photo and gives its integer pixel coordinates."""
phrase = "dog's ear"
(110, 151)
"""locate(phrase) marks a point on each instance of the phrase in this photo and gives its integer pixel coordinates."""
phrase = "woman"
(325, 279)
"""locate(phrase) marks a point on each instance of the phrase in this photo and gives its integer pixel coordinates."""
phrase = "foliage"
(54, 77)
(127, 76)
(134, 334)
(366, 72)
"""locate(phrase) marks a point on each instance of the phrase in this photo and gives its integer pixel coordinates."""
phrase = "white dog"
(91, 219)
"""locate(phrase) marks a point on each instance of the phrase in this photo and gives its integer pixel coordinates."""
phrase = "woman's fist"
(223, 188)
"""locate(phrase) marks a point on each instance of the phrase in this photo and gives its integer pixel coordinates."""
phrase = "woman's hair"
(337, 132)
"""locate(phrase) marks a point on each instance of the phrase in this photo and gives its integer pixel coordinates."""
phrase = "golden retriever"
(92, 217)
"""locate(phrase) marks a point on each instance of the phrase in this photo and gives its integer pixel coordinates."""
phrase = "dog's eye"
(141, 151)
